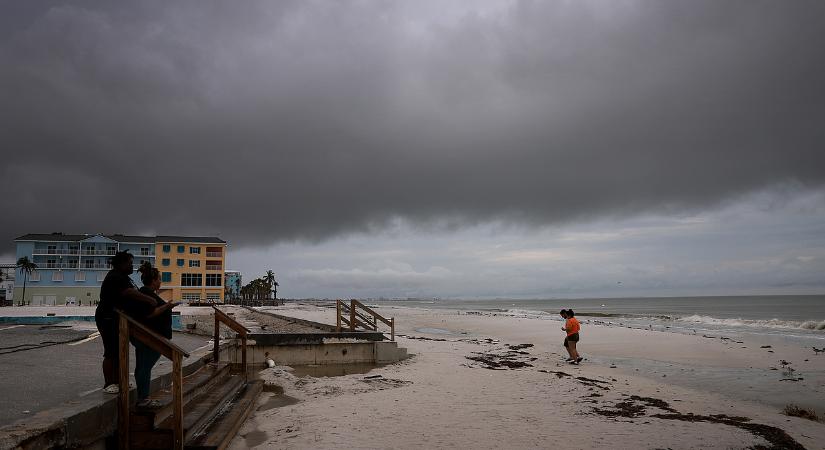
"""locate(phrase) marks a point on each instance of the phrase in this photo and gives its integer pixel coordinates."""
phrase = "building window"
(181, 248)
(180, 263)
(195, 250)
(213, 279)
(52, 249)
(165, 261)
(213, 297)
(101, 276)
(191, 279)
(73, 249)
(34, 276)
(57, 276)
(90, 263)
(167, 248)
(144, 251)
(213, 265)
(194, 263)
(213, 252)
(90, 250)
(80, 276)
(166, 277)
(72, 264)
(190, 297)
(51, 263)
(111, 249)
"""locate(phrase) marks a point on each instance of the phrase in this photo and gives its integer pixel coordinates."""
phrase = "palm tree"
(27, 267)
(269, 279)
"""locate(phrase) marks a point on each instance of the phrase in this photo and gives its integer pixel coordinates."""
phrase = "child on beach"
(571, 327)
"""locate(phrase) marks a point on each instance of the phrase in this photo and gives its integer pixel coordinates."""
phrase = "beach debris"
(817, 351)
(796, 411)
(776, 437)
(519, 346)
(498, 362)
(766, 346)
(634, 406)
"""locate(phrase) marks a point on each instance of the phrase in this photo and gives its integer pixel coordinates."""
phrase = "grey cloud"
(267, 121)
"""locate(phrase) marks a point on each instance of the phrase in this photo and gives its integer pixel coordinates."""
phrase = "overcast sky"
(434, 148)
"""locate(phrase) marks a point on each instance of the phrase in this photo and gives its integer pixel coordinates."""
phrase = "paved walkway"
(44, 366)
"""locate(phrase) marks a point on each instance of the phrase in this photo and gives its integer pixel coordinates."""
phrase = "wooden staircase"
(215, 401)
(356, 314)
(201, 411)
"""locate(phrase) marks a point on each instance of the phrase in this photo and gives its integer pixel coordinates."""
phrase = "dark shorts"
(108, 328)
(572, 338)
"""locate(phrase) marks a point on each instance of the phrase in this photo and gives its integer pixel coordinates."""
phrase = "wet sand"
(475, 381)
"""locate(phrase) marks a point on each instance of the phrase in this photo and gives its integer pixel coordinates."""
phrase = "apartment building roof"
(60, 237)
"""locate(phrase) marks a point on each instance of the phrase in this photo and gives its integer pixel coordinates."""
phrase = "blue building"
(70, 268)
(232, 283)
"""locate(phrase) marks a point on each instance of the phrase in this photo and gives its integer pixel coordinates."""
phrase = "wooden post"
(216, 355)
(352, 315)
(374, 323)
(338, 316)
(123, 382)
(392, 329)
(177, 399)
(243, 358)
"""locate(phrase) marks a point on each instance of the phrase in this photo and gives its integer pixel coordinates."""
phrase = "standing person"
(157, 318)
(117, 291)
(571, 327)
(563, 314)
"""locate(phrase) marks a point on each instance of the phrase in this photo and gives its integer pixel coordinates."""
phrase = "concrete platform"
(35, 377)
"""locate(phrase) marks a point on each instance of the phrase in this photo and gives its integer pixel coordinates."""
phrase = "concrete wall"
(320, 354)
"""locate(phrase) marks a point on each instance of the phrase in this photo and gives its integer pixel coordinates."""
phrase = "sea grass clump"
(796, 411)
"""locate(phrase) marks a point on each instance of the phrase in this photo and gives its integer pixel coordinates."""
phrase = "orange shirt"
(572, 326)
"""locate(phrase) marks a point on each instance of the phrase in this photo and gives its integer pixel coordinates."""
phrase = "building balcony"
(214, 254)
(98, 252)
(55, 251)
(213, 267)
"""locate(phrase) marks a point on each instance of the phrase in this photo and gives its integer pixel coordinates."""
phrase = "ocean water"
(794, 316)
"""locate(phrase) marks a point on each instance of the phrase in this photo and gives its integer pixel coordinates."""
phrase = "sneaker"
(112, 389)
(574, 362)
(579, 359)
(569, 360)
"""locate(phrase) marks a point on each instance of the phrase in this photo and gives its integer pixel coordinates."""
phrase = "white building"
(7, 284)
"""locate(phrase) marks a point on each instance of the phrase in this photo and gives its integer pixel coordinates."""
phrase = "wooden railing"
(129, 327)
(221, 317)
(350, 316)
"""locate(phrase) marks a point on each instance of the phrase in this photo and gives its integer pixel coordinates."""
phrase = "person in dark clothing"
(117, 291)
(157, 318)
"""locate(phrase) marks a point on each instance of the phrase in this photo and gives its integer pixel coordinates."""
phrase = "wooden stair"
(215, 404)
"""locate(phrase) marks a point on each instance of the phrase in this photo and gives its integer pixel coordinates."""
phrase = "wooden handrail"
(221, 317)
(370, 311)
(128, 327)
(341, 307)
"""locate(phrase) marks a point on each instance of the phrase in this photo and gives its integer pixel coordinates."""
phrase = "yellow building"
(191, 268)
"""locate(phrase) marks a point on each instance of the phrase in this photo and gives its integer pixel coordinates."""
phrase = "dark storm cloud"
(263, 121)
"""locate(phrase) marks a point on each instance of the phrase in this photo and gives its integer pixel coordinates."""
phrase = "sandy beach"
(483, 380)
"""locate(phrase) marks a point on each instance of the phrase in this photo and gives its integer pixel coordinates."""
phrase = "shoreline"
(527, 397)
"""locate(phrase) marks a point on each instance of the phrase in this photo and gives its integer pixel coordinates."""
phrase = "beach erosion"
(482, 379)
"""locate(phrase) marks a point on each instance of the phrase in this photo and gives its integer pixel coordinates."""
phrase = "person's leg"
(566, 345)
(108, 335)
(573, 352)
(145, 359)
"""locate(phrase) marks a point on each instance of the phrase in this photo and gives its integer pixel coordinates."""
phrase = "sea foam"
(771, 323)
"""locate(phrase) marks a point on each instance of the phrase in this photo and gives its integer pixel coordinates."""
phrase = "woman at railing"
(157, 319)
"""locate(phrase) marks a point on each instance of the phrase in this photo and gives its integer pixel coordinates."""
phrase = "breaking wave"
(772, 323)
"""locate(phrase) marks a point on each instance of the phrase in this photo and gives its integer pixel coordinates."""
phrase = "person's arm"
(162, 309)
(136, 295)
